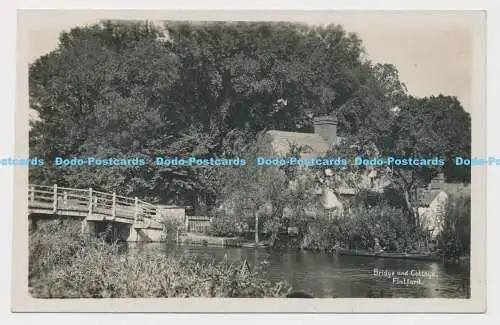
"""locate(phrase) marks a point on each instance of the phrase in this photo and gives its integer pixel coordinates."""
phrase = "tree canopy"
(121, 89)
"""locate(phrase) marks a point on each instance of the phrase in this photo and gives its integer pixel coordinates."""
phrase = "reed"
(66, 264)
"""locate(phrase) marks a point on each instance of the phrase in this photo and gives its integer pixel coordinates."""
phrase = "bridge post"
(32, 194)
(136, 211)
(113, 207)
(85, 225)
(65, 198)
(54, 199)
(90, 201)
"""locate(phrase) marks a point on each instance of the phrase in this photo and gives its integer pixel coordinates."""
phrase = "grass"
(66, 264)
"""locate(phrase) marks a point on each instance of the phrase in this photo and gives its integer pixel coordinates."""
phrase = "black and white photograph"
(305, 159)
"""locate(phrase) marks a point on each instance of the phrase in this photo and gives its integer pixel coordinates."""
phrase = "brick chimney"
(326, 127)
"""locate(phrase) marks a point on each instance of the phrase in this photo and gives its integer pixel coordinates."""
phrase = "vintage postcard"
(250, 161)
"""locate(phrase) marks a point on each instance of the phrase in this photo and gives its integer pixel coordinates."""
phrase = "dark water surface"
(324, 275)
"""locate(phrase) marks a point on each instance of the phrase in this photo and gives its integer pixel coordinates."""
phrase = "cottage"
(314, 145)
(334, 191)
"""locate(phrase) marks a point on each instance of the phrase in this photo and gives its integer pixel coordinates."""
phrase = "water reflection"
(325, 275)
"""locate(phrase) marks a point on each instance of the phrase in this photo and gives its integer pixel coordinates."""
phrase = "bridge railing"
(91, 201)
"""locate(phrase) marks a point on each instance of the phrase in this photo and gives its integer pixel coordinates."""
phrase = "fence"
(198, 224)
(54, 199)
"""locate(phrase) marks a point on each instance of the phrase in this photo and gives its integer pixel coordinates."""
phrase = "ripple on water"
(333, 276)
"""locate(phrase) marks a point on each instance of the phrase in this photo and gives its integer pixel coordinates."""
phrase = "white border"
(7, 148)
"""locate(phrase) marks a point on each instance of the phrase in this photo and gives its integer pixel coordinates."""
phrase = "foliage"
(65, 264)
(320, 235)
(359, 228)
(425, 128)
(101, 94)
(224, 226)
(119, 89)
(265, 192)
(173, 228)
(435, 127)
(123, 90)
(386, 224)
(254, 76)
(47, 253)
(454, 239)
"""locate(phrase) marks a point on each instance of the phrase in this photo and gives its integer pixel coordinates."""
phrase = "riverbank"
(324, 275)
(200, 239)
(241, 241)
(207, 240)
(65, 264)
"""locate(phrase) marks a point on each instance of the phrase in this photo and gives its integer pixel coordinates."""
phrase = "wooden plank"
(68, 201)
(44, 200)
(128, 214)
(74, 208)
(124, 198)
(47, 208)
(78, 196)
(79, 214)
(96, 217)
(71, 189)
(47, 205)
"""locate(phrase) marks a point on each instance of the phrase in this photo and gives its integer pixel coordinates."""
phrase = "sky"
(431, 60)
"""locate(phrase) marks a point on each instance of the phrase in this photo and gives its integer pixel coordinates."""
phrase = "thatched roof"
(282, 142)
(425, 197)
(454, 188)
(315, 146)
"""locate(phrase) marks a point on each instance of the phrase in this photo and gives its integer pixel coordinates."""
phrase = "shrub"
(65, 264)
(223, 226)
(172, 228)
(320, 235)
(359, 228)
(454, 239)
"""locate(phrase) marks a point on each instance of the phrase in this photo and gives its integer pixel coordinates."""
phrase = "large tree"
(102, 94)
(119, 89)
(445, 116)
(434, 128)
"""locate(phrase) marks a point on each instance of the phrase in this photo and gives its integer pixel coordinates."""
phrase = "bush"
(172, 228)
(223, 226)
(65, 264)
(454, 239)
(320, 235)
(389, 225)
(359, 228)
(48, 251)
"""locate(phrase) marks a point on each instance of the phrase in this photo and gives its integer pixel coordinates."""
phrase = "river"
(326, 276)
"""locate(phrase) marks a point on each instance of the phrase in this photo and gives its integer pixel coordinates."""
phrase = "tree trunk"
(409, 207)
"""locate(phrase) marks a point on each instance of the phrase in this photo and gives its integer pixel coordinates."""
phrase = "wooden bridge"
(93, 206)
